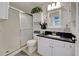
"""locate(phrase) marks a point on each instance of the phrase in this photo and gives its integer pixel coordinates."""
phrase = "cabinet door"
(69, 49)
(44, 46)
(61, 48)
(4, 6)
(58, 48)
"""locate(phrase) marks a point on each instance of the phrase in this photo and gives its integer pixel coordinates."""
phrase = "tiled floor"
(21, 54)
(25, 52)
(31, 54)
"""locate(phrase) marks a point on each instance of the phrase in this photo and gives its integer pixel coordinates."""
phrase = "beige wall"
(77, 29)
(73, 18)
(2, 41)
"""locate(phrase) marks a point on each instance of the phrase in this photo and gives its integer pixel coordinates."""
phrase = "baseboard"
(17, 51)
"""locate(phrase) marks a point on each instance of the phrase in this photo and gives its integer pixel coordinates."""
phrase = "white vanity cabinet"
(51, 47)
(4, 6)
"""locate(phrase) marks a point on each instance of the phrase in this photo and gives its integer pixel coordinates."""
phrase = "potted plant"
(36, 10)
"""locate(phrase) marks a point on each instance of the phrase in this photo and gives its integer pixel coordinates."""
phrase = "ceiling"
(27, 6)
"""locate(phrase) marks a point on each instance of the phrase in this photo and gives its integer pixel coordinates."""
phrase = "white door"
(25, 36)
(44, 46)
(12, 32)
(26, 23)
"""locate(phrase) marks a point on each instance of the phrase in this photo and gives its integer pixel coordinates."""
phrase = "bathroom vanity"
(55, 46)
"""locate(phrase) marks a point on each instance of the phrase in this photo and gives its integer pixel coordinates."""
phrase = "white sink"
(53, 36)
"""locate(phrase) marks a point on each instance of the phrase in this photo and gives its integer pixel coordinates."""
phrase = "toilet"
(31, 44)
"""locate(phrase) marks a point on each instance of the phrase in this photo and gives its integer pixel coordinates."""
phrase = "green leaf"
(36, 10)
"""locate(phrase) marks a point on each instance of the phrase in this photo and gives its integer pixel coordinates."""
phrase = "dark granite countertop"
(60, 39)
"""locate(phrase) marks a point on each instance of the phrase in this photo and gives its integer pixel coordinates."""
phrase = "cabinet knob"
(51, 46)
(70, 46)
(64, 45)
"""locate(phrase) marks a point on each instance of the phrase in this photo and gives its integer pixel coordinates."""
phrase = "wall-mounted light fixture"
(54, 6)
